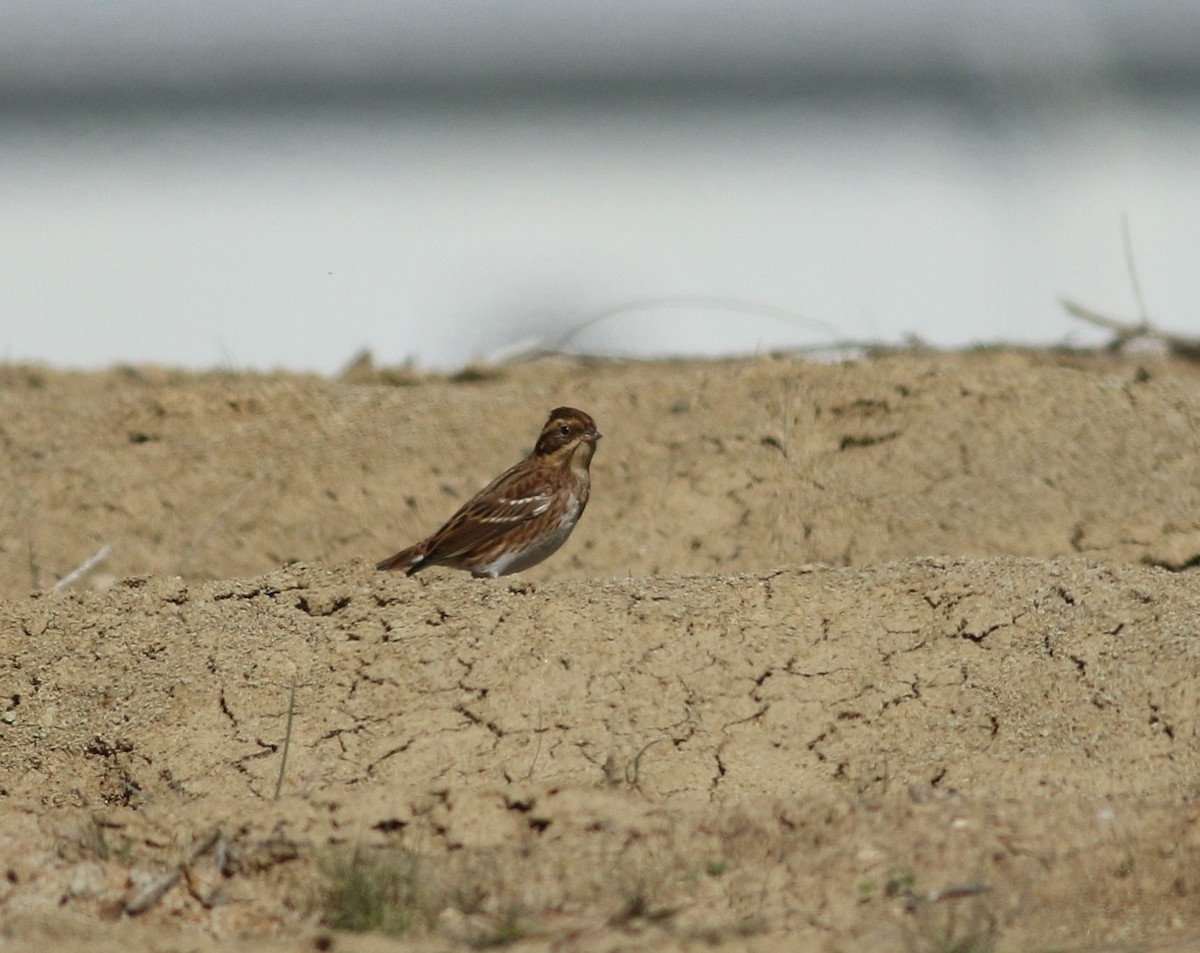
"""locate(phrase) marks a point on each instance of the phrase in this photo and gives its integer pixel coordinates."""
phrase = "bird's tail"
(410, 560)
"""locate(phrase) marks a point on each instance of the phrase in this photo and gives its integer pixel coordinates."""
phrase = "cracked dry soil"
(896, 655)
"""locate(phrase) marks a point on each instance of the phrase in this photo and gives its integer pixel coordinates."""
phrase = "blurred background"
(283, 184)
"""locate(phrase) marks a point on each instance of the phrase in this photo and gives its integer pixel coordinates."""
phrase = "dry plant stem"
(699, 302)
(215, 522)
(532, 349)
(142, 898)
(35, 570)
(83, 568)
(1186, 348)
(1131, 267)
(287, 740)
(537, 750)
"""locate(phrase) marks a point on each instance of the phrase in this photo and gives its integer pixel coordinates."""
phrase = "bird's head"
(569, 434)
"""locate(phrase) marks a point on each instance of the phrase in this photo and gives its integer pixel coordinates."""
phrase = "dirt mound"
(704, 467)
(865, 657)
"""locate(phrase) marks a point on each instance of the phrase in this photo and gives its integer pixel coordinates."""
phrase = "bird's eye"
(565, 430)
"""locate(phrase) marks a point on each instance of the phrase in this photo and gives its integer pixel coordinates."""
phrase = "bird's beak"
(592, 434)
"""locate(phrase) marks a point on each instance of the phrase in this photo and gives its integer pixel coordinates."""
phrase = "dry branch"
(84, 567)
(1177, 345)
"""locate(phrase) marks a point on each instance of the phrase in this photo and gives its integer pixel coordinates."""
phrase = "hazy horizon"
(277, 186)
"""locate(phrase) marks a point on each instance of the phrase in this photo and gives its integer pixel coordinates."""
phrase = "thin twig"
(35, 570)
(287, 740)
(142, 898)
(1131, 268)
(957, 893)
(707, 303)
(1084, 313)
(222, 513)
(83, 568)
(1187, 348)
(913, 899)
(537, 750)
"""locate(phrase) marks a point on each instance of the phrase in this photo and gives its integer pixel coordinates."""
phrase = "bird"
(521, 517)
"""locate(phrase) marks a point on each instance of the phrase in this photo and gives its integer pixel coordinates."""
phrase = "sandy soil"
(900, 654)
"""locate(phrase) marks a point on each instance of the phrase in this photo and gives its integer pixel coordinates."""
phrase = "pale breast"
(541, 546)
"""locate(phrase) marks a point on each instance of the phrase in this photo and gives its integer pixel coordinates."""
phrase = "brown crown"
(566, 427)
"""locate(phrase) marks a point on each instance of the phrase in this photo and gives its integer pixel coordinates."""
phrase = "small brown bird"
(522, 516)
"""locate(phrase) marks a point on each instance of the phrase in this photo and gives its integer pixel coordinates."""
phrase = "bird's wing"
(508, 501)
